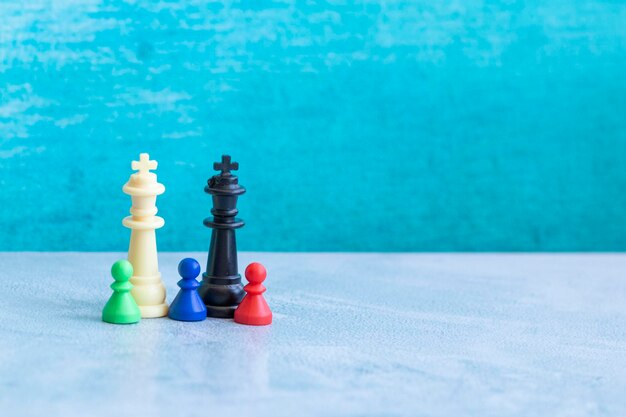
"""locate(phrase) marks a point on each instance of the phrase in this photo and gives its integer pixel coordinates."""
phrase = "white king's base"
(149, 293)
(151, 312)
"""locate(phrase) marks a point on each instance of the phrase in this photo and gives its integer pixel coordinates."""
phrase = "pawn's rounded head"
(189, 268)
(255, 273)
(122, 270)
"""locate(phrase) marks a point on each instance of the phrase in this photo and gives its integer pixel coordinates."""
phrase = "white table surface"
(353, 334)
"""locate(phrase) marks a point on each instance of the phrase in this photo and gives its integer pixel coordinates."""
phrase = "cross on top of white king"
(144, 165)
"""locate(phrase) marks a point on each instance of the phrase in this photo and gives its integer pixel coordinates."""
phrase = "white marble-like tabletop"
(353, 335)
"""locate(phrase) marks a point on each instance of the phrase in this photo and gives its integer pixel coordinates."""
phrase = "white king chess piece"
(148, 289)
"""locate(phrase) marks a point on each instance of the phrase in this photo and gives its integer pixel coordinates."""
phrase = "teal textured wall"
(382, 125)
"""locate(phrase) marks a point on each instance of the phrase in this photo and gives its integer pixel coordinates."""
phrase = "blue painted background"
(382, 125)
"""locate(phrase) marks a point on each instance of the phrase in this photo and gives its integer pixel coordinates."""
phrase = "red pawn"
(253, 309)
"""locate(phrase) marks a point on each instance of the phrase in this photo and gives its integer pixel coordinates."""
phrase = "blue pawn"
(188, 306)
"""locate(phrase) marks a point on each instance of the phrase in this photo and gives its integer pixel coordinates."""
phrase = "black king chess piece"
(221, 288)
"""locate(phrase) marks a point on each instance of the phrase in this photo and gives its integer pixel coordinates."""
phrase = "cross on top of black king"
(225, 166)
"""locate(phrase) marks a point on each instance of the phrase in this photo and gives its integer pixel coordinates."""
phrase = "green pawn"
(121, 307)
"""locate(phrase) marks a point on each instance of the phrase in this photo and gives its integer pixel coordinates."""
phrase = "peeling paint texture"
(359, 125)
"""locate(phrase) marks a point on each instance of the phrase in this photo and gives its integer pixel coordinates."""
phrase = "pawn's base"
(195, 316)
(151, 312)
(220, 312)
(253, 320)
(120, 318)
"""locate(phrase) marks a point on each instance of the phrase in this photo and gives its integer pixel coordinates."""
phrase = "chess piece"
(188, 306)
(121, 307)
(149, 291)
(253, 309)
(221, 288)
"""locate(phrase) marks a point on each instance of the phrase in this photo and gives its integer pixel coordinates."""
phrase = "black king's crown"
(221, 288)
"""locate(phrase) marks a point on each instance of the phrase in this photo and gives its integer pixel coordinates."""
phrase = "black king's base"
(221, 288)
